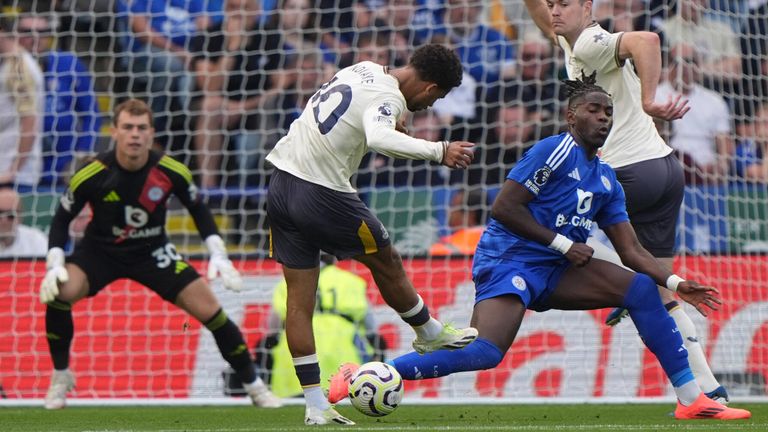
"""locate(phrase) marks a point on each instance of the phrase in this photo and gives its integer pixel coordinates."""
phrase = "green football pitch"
(470, 418)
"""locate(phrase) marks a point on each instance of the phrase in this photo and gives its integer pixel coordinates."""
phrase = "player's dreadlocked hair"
(578, 88)
(438, 64)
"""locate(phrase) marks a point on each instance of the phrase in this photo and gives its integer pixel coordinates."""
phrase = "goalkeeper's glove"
(219, 264)
(56, 273)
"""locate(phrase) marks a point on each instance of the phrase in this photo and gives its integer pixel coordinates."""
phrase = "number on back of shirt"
(326, 91)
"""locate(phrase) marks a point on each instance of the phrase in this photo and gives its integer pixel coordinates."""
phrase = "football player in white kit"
(628, 66)
(311, 204)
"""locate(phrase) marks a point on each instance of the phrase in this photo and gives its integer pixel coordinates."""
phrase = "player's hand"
(458, 154)
(55, 274)
(220, 265)
(703, 298)
(673, 109)
(579, 254)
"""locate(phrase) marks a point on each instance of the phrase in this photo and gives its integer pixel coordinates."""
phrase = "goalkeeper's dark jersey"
(129, 208)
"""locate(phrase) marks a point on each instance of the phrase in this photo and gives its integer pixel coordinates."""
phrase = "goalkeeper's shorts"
(161, 269)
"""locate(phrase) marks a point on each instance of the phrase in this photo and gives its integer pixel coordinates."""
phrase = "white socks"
(696, 357)
(688, 392)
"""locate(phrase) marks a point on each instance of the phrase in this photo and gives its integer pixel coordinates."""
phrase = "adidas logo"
(575, 174)
(112, 196)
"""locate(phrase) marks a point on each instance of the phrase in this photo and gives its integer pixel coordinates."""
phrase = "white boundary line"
(238, 401)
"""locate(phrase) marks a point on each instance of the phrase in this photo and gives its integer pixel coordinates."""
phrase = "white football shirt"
(634, 137)
(354, 112)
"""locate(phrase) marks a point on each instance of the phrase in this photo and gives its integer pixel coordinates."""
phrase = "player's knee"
(485, 354)
(642, 292)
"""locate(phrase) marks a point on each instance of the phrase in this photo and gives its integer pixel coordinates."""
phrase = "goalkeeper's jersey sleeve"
(129, 207)
(353, 113)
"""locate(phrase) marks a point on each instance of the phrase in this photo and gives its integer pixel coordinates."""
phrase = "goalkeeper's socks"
(423, 324)
(696, 357)
(59, 330)
(232, 346)
(480, 354)
(657, 328)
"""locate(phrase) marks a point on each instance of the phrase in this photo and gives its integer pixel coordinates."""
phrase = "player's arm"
(539, 12)
(380, 121)
(70, 205)
(644, 48)
(185, 189)
(511, 209)
(636, 257)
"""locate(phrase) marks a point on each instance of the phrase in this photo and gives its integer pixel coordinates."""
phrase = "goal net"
(226, 78)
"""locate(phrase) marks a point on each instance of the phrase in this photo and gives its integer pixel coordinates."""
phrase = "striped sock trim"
(218, 320)
(300, 361)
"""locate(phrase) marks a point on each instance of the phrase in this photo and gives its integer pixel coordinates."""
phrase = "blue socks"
(480, 354)
(658, 329)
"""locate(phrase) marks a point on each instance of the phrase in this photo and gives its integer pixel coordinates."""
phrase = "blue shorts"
(532, 282)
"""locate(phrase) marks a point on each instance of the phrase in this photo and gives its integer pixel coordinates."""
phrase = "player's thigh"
(198, 300)
(97, 267)
(498, 319)
(599, 284)
(76, 287)
(385, 260)
(163, 270)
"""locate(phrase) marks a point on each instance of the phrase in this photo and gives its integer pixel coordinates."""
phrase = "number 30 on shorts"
(165, 255)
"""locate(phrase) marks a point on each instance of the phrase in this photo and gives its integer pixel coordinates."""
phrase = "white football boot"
(61, 383)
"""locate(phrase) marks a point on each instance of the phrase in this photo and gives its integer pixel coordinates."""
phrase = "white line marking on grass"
(700, 425)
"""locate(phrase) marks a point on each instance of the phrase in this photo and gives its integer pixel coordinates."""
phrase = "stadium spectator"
(72, 121)
(720, 55)
(373, 46)
(344, 322)
(311, 204)
(536, 85)
(628, 66)
(17, 239)
(625, 15)
(528, 260)
(396, 17)
(703, 137)
(21, 111)
(750, 163)
(161, 31)
(485, 53)
(466, 220)
(239, 67)
(127, 189)
(754, 56)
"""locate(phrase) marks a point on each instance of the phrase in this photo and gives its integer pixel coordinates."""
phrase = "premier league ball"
(376, 389)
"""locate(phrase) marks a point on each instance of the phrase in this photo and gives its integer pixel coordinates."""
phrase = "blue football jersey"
(572, 193)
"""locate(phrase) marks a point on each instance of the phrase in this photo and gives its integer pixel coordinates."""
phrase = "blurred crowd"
(226, 78)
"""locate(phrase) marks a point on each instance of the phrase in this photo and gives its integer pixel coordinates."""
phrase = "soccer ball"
(376, 389)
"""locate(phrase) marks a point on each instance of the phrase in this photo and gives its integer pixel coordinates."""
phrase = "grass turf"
(471, 418)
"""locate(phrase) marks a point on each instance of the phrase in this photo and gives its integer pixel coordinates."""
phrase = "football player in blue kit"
(533, 255)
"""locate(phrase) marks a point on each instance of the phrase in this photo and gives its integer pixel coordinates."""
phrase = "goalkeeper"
(127, 189)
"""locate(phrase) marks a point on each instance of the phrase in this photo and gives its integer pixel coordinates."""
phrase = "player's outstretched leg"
(387, 269)
(660, 335)
(338, 389)
(234, 350)
(59, 330)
